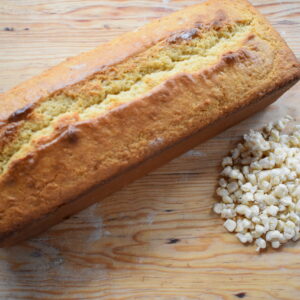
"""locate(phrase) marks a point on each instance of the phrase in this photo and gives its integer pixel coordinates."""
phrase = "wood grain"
(157, 238)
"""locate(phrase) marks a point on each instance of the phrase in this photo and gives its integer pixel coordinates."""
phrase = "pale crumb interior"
(130, 80)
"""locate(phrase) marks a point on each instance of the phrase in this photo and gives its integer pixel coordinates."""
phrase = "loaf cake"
(94, 123)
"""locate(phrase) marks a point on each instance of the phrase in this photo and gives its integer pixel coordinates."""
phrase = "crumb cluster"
(259, 187)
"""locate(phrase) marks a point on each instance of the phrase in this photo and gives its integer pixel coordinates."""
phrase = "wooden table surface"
(157, 238)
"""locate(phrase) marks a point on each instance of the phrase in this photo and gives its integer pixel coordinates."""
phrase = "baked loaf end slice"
(99, 120)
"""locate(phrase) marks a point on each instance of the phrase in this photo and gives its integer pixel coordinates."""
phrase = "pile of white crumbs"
(260, 187)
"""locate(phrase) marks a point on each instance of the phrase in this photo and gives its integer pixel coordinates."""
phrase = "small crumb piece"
(259, 229)
(273, 235)
(276, 244)
(271, 210)
(232, 187)
(230, 225)
(218, 207)
(222, 183)
(244, 238)
(261, 244)
(227, 161)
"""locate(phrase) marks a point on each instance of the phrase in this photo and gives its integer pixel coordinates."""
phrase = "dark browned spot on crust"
(220, 19)
(71, 134)
(251, 36)
(21, 113)
(231, 57)
(227, 59)
(183, 35)
(8, 132)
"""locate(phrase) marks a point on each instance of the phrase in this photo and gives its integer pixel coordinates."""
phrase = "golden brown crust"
(82, 154)
(107, 187)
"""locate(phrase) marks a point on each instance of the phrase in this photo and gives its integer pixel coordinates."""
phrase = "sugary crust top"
(79, 68)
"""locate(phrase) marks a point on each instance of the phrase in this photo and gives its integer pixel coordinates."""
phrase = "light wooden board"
(157, 238)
